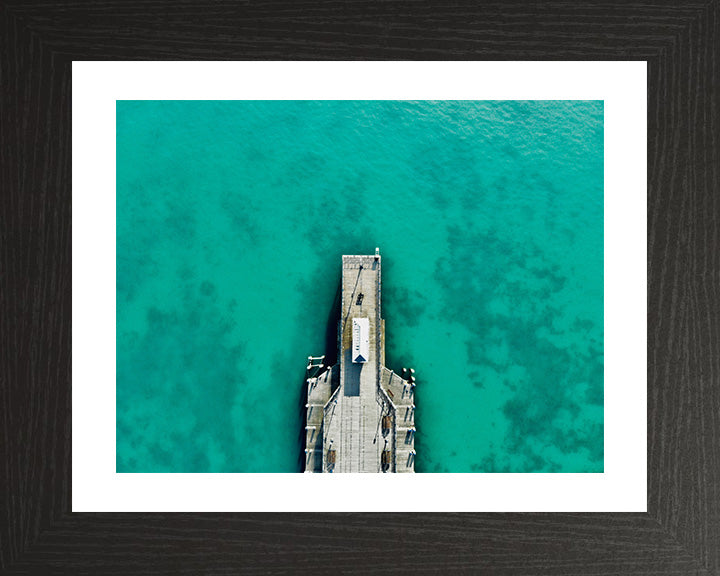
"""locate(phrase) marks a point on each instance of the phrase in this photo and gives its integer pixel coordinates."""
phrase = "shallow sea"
(231, 221)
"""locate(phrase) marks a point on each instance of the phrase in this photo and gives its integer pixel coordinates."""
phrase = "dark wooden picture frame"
(680, 533)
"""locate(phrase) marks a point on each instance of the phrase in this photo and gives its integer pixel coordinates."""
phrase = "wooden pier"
(360, 415)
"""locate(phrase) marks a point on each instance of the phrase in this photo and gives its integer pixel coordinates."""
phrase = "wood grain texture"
(681, 532)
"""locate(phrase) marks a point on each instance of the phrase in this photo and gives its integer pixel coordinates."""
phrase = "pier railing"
(378, 321)
(389, 408)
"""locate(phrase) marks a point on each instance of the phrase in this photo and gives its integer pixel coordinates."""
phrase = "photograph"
(379, 286)
(247, 243)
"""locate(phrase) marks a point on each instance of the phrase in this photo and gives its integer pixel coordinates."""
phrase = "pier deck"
(319, 389)
(402, 396)
(367, 419)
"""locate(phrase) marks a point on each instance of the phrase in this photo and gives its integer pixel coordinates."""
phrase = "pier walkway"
(360, 415)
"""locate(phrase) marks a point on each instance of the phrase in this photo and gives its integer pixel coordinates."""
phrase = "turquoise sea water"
(231, 221)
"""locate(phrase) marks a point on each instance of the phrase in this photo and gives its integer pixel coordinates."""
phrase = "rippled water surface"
(231, 221)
